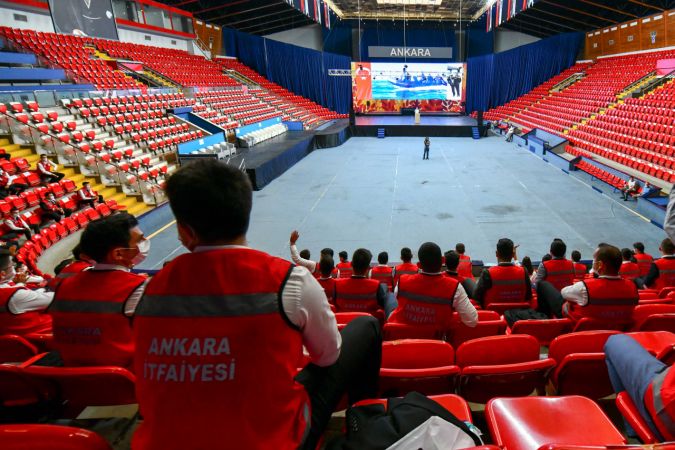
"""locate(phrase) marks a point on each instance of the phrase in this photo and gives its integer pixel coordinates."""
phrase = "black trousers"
(469, 286)
(549, 299)
(426, 153)
(355, 373)
(50, 215)
(55, 177)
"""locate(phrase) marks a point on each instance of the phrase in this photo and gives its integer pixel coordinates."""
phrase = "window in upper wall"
(127, 9)
(182, 23)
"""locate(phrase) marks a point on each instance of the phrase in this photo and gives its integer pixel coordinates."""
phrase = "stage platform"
(333, 133)
(404, 125)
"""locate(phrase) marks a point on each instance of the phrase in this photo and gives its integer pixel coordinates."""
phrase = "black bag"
(514, 315)
(371, 428)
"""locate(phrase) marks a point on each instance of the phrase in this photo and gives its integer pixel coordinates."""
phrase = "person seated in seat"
(629, 269)
(46, 171)
(326, 280)
(662, 271)
(7, 185)
(630, 188)
(344, 267)
(644, 260)
(69, 267)
(505, 282)
(429, 298)
(607, 297)
(18, 226)
(298, 259)
(554, 274)
(580, 269)
(649, 383)
(452, 262)
(360, 293)
(231, 338)
(382, 272)
(465, 267)
(51, 210)
(21, 309)
(92, 310)
(406, 267)
(87, 196)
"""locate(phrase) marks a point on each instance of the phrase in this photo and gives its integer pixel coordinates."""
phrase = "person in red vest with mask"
(344, 267)
(465, 267)
(218, 350)
(303, 260)
(629, 269)
(607, 297)
(382, 272)
(644, 260)
(429, 298)
(649, 383)
(505, 282)
(70, 267)
(662, 271)
(554, 275)
(580, 269)
(326, 280)
(21, 309)
(92, 310)
(360, 293)
(406, 267)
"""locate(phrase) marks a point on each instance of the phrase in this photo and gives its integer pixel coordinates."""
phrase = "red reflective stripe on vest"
(404, 269)
(508, 285)
(21, 324)
(559, 272)
(383, 274)
(644, 261)
(356, 295)
(345, 269)
(629, 271)
(218, 339)
(90, 328)
(70, 270)
(666, 273)
(608, 299)
(465, 267)
(425, 300)
(660, 402)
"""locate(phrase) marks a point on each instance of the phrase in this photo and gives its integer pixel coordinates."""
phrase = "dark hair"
(361, 261)
(327, 251)
(326, 265)
(505, 248)
(527, 265)
(62, 265)
(576, 256)
(451, 260)
(626, 254)
(430, 257)
(305, 254)
(459, 248)
(343, 255)
(406, 254)
(383, 258)
(639, 246)
(610, 256)
(104, 234)
(667, 246)
(84, 183)
(212, 198)
(558, 248)
(14, 209)
(5, 258)
(546, 257)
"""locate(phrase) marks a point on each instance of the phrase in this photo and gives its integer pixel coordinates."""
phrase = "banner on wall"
(504, 10)
(84, 18)
(317, 10)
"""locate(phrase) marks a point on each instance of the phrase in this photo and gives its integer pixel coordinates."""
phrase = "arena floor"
(380, 194)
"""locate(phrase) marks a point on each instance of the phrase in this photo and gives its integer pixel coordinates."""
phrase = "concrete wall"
(308, 37)
(506, 40)
(35, 21)
(156, 40)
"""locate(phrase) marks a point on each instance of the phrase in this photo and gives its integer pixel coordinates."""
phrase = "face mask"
(143, 250)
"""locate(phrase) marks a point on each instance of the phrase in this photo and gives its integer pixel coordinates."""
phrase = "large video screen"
(84, 18)
(388, 87)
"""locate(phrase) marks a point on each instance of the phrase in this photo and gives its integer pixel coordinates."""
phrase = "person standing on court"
(230, 339)
(427, 143)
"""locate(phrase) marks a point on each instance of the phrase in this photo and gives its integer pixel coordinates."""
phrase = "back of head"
(383, 258)
(667, 247)
(327, 251)
(431, 258)
(361, 261)
(459, 248)
(326, 265)
(626, 254)
(505, 249)
(639, 247)
(406, 255)
(558, 248)
(527, 265)
(103, 235)
(546, 257)
(576, 256)
(211, 198)
(610, 257)
(451, 260)
(304, 254)
(344, 256)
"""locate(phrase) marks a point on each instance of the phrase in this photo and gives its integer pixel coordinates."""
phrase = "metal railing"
(564, 84)
(653, 84)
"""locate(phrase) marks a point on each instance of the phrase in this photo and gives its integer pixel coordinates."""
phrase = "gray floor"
(380, 194)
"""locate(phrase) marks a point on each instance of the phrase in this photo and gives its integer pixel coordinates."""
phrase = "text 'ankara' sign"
(375, 51)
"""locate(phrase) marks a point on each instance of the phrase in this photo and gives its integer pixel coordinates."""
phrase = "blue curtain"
(250, 49)
(479, 41)
(501, 77)
(338, 39)
(417, 34)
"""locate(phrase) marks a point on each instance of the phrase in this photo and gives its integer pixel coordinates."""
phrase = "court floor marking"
(161, 230)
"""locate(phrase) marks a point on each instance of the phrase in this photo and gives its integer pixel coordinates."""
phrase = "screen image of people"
(84, 18)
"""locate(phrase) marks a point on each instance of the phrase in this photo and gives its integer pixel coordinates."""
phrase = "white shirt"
(578, 293)
(135, 297)
(630, 184)
(306, 306)
(10, 223)
(46, 166)
(299, 261)
(27, 300)
(86, 194)
(460, 303)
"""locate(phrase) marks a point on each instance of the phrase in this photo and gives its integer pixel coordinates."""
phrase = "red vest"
(356, 295)
(70, 270)
(90, 328)
(345, 269)
(644, 261)
(24, 323)
(218, 338)
(454, 276)
(328, 285)
(508, 285)
(559, 272)
(404, 269)
(464, 268)
(666, 273)
(629, 271)
(608, 299)
(425, 300)
(383, 274)
(660, 402)
(580, 270)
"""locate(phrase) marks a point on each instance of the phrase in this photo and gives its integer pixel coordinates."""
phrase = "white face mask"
(143, 250)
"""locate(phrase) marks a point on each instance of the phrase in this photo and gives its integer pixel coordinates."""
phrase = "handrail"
(203, 47)
(78, 152)
(655, 83)
(631, 86)
(567, 81)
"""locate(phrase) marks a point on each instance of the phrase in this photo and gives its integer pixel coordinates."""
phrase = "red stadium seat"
(453, 403)
(659, 322)
(395, 331)
(14, 349)
(661, 344)
(49, 437)
(343, 318)
(544, 330)
(460, 333)
(630, 412)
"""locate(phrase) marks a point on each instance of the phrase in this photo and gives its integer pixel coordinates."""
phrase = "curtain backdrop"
(501, 77)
